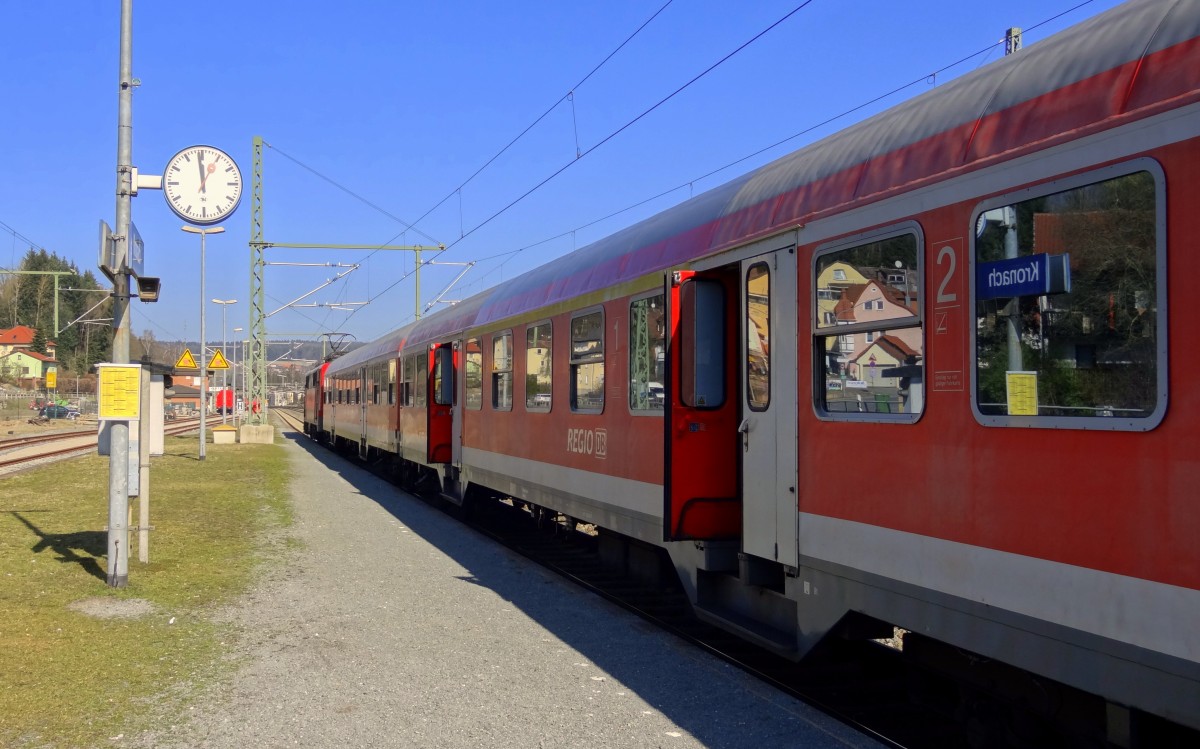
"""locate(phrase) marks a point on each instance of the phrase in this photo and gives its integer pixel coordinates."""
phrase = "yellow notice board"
(1022, 393)
(120, 391)
(51, 378)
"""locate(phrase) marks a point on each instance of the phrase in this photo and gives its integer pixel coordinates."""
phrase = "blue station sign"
(1032, 275)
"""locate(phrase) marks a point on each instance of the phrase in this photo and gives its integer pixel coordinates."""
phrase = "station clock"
(202, 185)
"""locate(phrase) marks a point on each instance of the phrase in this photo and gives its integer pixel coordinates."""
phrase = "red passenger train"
(937, 371)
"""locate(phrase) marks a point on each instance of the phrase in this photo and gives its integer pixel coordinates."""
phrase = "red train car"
(314, 401)
(936, 371)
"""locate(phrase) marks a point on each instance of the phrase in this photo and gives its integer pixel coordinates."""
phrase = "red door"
(442, 366)
(701, 498)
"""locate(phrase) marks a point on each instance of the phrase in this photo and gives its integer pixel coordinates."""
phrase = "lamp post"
(239, 387)
(203, 232)
(224, 372)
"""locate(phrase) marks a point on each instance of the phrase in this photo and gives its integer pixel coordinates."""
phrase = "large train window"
(502, 375)
(758, 337)
(647, 354)
(420, 379)
(406, 381)
(1069, 295)
(538, 341)
(473, 373)
(443, 376)
(391, 383)
(868, 332)
(587, 362)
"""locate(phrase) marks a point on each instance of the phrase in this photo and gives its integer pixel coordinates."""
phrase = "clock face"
(202, 185)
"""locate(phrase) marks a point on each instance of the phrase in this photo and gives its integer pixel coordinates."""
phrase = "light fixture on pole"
(226, 406)
(203, 232)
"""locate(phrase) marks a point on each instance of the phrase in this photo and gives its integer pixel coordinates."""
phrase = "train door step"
(761, 634)
(760, 572)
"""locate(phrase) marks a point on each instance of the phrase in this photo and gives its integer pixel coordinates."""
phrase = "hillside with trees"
(29, 299)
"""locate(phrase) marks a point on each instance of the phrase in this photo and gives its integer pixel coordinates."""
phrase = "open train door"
(768, 364)
(700, 493)
(442, 379)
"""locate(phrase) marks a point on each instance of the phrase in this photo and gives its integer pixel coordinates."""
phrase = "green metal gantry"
(258, 310)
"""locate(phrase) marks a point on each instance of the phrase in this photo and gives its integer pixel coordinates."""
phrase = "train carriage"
(314, 401)
(936, 371)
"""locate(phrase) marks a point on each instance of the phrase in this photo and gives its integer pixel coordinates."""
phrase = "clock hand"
(200, 166)
(204, 176)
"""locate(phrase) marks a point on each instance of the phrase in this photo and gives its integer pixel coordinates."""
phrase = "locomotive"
(935, 372)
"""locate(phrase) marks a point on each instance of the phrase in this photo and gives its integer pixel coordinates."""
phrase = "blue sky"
(377, 114)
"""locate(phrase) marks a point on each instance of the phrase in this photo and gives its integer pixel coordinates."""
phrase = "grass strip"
(81, 663)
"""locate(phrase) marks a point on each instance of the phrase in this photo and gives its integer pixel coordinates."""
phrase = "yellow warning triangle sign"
(186, 360)
(218, 360)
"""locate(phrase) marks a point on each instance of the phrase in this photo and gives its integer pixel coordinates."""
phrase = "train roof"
(930, 137)
(388, 345)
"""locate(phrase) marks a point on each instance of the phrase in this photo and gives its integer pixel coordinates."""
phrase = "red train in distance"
(938, 371)
(225, 401)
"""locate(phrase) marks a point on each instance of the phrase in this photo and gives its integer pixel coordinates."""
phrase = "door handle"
(744, 430)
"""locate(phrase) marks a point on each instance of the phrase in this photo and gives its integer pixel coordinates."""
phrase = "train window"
(868, 332)
(473, 371)
(647, 354)
(587, 363)
(538, 345)
(758, 337)
(443, 376)
(407, 391)
(702, 336)
(502, 382)
(391, 382)
(420, 379)
(1069, 296)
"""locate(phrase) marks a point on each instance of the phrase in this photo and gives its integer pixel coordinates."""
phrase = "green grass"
(68, 679)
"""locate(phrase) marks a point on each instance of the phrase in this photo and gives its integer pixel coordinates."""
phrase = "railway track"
(27, 451)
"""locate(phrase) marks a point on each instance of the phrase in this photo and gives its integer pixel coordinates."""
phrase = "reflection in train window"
(647, 354)
(537, 366)
(587, 363)
(407, 391)
(758, 337)
(502, 394)
(473, 373)
(1069, 306)
(868, 336)
(421, 382)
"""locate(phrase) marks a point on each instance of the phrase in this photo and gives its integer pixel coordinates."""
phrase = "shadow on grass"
(65, 545)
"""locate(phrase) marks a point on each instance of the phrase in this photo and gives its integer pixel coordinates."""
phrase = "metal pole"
(203, 339)
(203, 351)
(118, 458)
(226, 405)
(144, 471)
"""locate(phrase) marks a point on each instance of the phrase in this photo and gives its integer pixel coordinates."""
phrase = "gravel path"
(396, 626)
